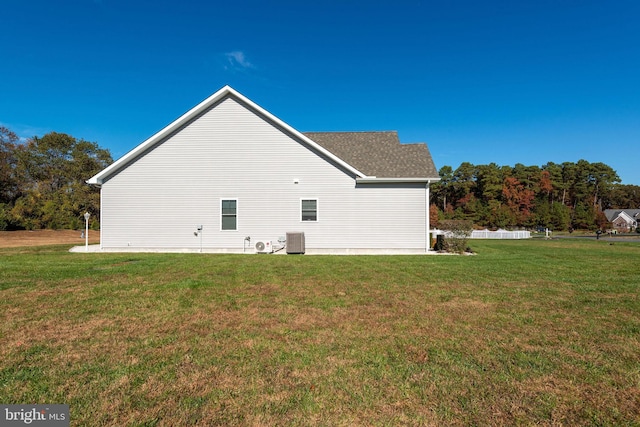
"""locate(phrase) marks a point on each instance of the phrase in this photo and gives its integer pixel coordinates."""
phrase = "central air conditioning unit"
(295, 243)
(264, 247)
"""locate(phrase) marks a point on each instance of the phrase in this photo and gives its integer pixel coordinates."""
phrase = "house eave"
(376, 180)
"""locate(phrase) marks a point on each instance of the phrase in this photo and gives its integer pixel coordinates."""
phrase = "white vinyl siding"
(159, 199)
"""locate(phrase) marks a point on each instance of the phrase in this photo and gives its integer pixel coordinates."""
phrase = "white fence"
(487, 234)
(500, 234)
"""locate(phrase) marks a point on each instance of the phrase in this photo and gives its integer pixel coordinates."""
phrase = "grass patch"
(525, 332)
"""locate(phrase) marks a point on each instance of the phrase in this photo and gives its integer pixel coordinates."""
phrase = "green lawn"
(523, 333)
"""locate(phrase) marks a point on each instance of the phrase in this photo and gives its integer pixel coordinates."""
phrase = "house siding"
(232, 152)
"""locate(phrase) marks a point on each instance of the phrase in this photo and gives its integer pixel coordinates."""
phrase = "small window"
(229, 210)
(309, 209)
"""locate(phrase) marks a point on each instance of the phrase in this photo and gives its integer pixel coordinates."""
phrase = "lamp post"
(86, 231)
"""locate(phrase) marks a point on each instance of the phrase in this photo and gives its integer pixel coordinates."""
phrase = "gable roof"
(612, 214)
(349, 161)
(379, 154)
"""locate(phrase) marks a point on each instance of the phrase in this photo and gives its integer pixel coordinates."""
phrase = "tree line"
(42, 185)
(557, 196)
(42, 181)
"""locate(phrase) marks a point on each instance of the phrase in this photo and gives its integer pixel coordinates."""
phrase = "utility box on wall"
(295, 243)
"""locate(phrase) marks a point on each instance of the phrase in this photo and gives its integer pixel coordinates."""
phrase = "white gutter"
(374, 180)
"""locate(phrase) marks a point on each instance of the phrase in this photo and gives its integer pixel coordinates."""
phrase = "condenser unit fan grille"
(263, 247)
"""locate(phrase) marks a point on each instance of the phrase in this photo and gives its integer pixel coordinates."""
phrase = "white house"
(228, 174)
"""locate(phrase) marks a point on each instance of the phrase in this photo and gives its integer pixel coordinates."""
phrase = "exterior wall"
(230, 152)
(623, 225)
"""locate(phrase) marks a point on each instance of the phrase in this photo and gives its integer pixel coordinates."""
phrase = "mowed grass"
(523, 333)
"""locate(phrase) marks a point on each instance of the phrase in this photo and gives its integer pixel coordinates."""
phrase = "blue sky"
(501, 81)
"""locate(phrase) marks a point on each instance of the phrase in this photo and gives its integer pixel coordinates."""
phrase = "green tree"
(542, 215)
(9, 180)
(489, 178)
(584, 216)
(55, 194)
(622, 197)
(560, 217)
(555, 177)
(601, 179)
(569, 184)
(528, 176)
(464, 182)
(554, 195)
(442, 190)
(469, 208)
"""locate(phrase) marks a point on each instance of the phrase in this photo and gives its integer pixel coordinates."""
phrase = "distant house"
(228, 176)
(623, 220)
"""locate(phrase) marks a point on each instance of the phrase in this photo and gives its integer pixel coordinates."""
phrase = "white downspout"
(428, 236)
(101, 213)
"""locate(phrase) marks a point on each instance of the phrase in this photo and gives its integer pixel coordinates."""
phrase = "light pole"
(86, 231)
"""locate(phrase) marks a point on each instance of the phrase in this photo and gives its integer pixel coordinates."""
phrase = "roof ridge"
(351, 131)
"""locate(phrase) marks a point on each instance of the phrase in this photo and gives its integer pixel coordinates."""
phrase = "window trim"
(222, 215)
(305, 199)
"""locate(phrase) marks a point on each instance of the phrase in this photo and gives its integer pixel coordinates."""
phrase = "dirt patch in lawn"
(13, 239)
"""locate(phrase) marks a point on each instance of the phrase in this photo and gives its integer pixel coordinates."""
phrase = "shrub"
(458, 232)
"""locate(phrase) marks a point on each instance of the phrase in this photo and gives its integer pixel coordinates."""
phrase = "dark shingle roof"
(612, 214)
(378, 154)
